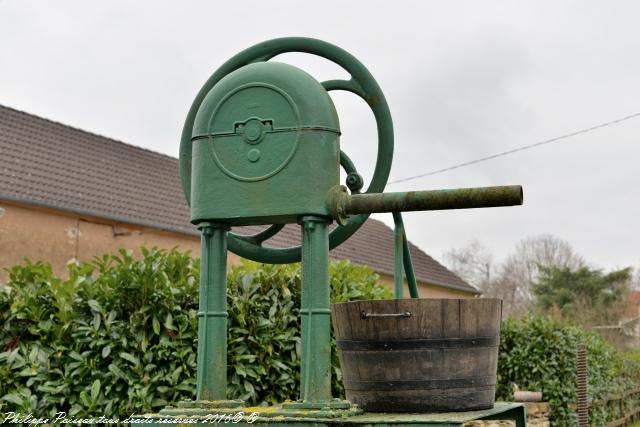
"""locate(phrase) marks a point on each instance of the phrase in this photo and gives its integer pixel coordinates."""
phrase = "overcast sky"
(463, 80)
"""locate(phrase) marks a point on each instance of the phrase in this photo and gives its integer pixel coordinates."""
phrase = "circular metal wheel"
(361, 83)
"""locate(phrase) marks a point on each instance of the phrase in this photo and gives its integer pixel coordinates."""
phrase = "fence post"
(582, 375)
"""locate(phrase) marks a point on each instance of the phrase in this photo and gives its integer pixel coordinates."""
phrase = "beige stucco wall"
(40, 234)
(43, 234)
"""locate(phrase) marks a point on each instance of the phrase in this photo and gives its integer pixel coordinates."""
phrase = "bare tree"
(472, 263)
(522, 268)
(511, 280)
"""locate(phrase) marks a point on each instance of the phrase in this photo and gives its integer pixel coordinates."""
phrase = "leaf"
(168, 323)
(33, 354)
(116, 371)
(176, 374)
(16, 359)
(130, 358)
(84, 397)
(106, 350)
(156, 325)
(158, 403)
(13, 398)
(279, 364)
(95, 389)
(96, 321)
(240, 370)
(76, 356)
(48, 389)
(94, 305)
(28, 371)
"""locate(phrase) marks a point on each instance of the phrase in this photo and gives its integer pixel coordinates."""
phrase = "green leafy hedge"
(119, 335)
(539, 353)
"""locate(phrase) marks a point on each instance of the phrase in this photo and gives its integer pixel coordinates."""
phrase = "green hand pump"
(261, 146)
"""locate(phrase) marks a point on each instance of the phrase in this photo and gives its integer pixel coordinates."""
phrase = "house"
(67, 194)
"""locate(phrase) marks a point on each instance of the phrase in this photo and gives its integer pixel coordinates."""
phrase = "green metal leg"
(405, 258)
(398, 277)
(212, 315)
(408, 267)
(520, 417)
(315, 311)
(518, 414)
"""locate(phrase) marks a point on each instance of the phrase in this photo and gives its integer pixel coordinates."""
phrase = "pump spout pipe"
(342, 204)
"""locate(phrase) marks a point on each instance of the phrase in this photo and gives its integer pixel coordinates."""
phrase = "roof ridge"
(86, 132)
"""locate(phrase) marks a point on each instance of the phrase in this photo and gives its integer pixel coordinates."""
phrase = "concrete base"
(268, 416)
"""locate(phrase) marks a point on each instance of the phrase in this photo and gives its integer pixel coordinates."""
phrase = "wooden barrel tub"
(419, 355)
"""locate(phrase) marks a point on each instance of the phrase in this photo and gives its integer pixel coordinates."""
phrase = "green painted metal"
(398, 277)
(261, 136)
(315, 376)
(354, 180)
(334, 408)
(361, 83)
(270, 416)
(460, 198)
(211, 378)
(260, 145)
(408, 268)
(406, 257)
(204, 406)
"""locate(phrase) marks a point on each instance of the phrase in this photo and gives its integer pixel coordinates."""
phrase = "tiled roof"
(56, 166)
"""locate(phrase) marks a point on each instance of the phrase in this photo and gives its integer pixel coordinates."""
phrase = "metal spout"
(343, 204)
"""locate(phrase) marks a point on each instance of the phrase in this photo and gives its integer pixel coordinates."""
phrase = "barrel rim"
(404, 300)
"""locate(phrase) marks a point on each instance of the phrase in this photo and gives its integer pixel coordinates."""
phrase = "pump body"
(265, 148)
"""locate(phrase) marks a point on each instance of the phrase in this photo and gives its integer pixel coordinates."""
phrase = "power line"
(515, 150)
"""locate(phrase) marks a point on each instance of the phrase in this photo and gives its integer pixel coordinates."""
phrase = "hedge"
(539, 353)
(118, 336)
